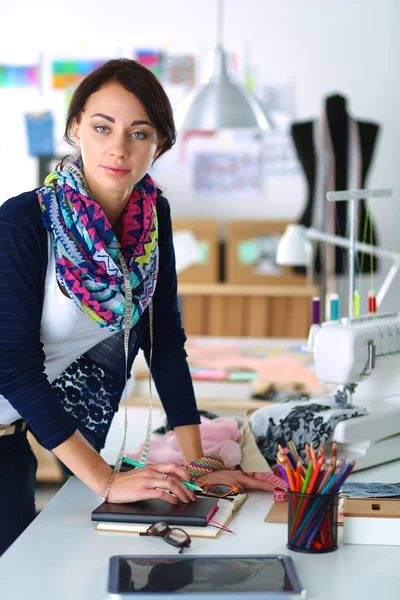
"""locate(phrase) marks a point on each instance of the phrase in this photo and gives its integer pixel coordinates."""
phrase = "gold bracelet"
(109, 487)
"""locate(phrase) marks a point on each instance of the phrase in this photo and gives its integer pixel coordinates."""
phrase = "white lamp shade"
(294, 247)
(220, 103)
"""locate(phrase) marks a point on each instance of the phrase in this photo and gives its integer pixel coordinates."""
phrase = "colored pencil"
(290, 477)
(298, 476)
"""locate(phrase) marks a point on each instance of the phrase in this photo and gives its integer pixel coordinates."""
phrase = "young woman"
(66, 251)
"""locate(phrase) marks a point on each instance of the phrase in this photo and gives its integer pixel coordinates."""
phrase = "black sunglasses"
(174, 536)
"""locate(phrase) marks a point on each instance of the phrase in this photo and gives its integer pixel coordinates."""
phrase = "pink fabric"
(217, 435)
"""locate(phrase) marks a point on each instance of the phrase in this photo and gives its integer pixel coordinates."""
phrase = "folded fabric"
(302, 421)
(252, 459)
(217, 435)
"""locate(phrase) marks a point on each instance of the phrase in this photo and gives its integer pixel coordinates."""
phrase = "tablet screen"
(205, 575)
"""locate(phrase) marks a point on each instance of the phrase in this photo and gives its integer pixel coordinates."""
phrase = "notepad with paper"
(224, 515)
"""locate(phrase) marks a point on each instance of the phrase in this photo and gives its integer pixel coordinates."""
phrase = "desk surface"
(273, 360)
(61, 556)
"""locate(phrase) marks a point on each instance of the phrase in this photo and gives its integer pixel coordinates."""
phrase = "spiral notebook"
(223, 516)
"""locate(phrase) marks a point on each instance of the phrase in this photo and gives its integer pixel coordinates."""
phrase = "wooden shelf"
(229, 289)
(224, 309)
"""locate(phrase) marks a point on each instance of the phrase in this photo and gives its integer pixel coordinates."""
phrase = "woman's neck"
(113, 205)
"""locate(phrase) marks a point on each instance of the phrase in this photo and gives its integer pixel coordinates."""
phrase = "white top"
(65, 331)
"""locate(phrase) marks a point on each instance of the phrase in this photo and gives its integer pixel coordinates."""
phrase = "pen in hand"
(134, 463)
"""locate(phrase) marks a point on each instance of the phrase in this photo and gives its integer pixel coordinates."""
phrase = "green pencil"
(134, 463)
(304, 489)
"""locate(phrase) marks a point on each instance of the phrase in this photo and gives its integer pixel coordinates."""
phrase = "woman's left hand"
(237, 477)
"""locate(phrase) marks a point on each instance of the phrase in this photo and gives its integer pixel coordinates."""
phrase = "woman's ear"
(75, 130)
(159, 148)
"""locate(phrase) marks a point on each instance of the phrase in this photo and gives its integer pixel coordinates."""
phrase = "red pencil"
(314, 476)
(299, 472)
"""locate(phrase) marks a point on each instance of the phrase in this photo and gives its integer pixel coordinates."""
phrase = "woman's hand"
(236, 477)
(146, 483)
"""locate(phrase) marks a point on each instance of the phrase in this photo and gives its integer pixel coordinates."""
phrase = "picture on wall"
(227, 172)
(18, 76)
(68, 73)
(40, 133)
(180, 70)
(152, 60)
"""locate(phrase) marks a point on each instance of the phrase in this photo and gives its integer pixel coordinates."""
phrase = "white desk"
(61, 557)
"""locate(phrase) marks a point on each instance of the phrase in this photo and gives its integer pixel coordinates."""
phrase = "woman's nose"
(120, 147)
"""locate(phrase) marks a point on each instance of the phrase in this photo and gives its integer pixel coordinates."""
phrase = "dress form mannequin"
(344, 142)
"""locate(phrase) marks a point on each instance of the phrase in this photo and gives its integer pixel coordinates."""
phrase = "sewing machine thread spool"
(334, 307)
(372, 306)
(356, 304)
(316, 311)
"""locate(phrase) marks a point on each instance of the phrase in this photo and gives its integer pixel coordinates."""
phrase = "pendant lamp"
(222, 102)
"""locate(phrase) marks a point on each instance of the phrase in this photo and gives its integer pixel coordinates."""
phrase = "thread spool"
(356, 304)
(316, 311)
(372, 306)
(334, 307)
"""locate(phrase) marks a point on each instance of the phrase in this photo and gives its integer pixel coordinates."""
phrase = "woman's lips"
(115, 170)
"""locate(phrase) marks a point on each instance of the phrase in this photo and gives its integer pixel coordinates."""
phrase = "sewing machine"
(362, 356)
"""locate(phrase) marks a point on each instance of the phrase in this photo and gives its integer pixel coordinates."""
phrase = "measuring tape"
(280, 493)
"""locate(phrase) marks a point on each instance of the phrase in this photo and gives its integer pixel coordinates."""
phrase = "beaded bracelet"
(109, 486)
(204, 465)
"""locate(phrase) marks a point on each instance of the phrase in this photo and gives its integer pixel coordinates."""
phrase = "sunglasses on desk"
(219, 490)
(172, 535)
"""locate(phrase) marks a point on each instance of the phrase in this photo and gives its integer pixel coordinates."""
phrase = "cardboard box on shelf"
(206, 233)
(250, 254)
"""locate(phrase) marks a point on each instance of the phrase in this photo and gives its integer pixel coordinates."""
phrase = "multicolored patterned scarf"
(86, 249)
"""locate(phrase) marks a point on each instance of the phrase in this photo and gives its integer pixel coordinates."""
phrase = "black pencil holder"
(312, 522)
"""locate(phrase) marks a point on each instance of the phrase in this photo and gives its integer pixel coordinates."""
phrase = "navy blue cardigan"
(87, 394)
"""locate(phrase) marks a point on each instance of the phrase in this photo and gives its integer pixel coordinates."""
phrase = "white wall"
(351, 46)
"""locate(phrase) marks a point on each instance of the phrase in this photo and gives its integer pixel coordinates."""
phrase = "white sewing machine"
(362, 356)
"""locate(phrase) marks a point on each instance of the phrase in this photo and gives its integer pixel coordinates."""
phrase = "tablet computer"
(204, 577)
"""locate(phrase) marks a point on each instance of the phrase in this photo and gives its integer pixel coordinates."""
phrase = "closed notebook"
(151, 511)
(226, 510)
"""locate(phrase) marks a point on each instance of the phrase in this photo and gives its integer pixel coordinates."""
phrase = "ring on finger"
(164, 476)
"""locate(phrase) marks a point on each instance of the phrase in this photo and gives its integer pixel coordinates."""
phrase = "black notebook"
(196, 513)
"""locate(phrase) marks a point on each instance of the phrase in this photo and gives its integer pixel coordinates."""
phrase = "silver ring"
(164, 476)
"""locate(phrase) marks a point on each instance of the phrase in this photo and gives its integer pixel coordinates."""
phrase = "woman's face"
(117, 141)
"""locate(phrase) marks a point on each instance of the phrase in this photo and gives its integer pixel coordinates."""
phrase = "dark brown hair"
(136, 79)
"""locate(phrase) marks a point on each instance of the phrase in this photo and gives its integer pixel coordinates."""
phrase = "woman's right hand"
(148, 482)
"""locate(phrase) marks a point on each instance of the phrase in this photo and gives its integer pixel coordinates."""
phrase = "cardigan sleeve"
(23, 381)
(169, 366)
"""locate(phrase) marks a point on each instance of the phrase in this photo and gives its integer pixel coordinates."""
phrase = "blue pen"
(139, 465)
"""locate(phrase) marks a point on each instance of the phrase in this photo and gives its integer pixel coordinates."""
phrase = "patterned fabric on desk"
(301, 421)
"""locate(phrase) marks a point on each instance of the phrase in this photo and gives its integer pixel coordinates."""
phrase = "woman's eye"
(139, 135)
(101, 128)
